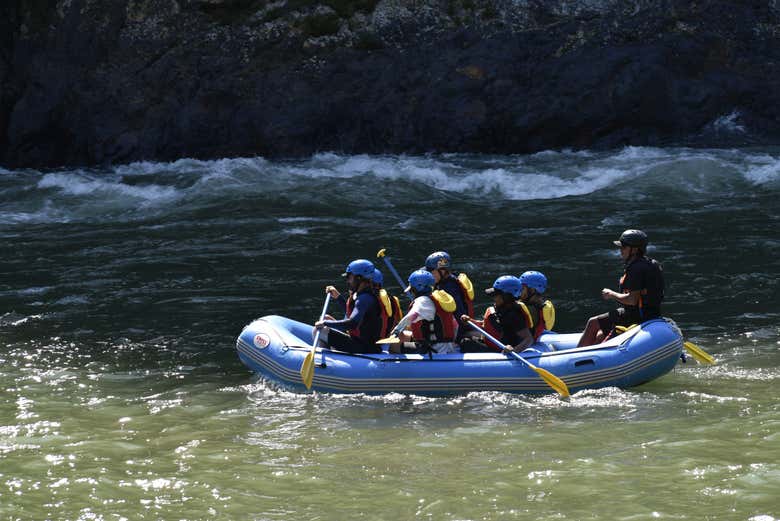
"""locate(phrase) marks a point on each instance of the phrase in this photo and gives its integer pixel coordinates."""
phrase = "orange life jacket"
(489, 322)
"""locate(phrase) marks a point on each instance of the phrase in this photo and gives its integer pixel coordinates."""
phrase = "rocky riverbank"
(86, 82)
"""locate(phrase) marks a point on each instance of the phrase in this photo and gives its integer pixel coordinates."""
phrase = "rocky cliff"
(94, 81)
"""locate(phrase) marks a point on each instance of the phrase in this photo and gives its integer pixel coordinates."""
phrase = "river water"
(122, 291)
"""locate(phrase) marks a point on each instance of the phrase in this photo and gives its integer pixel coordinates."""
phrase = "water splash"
(144, 190)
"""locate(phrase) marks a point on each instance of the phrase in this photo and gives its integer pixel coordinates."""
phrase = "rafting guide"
(641, 290)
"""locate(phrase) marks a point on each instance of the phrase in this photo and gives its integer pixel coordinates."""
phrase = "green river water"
(122, 291)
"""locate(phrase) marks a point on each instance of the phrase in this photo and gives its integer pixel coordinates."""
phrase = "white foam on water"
(515, 180)
(79, 184)
(763, 170)
(128, 192)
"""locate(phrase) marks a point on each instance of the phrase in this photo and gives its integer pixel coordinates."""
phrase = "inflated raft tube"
(275, 346)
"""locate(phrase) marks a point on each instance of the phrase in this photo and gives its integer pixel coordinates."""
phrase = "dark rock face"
(89, 82)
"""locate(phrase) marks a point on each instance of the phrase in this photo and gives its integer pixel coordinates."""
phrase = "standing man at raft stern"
(641, 290)
(359, 331)
(457, 285)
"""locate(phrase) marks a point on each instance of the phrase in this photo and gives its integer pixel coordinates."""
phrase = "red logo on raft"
(262, 340)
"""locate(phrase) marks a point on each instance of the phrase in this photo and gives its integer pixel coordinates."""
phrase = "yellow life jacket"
(544, 319)
(444, 299)
(384, 300)
(466, 284)
(548, 314)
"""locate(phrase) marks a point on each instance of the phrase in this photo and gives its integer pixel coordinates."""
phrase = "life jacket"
(390, 311)
(540, 318)
(503, 331)
(467, 290)
(397, 313)
(443, 327)
(652, 293)
(489, 320)
(357, 332)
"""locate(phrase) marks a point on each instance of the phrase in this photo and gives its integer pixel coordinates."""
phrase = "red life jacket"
(354, 333)
(489, 322)
(441, 329)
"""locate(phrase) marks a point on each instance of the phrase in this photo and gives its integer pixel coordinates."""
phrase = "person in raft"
(540, 312)
(507, 319)
(457, 285)
(361, 328)
(430, 317)
(641, 290)
(390, 306)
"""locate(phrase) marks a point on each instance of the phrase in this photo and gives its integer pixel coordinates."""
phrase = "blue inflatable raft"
(275, 347)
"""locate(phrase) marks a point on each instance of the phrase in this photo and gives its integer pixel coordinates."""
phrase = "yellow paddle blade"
(552, 380)
(698, 353)
(392, 339)
(623, 329)
(307, 369)
(381, 253)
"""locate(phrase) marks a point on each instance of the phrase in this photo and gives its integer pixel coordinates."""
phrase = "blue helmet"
(421, 281)
(437, 259)
(534, 280)
(378, 277)
(362, 267)
(506, 284)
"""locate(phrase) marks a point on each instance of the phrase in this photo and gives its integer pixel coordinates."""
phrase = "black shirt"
(646, 276)
(510, 320)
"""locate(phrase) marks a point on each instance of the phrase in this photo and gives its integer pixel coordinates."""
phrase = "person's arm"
(523, 338)
(336, 296)
(465, 319)
(362, 304)
(630, 298)
(422, 308)
(526, 339)
(409, 318)
(632, 285)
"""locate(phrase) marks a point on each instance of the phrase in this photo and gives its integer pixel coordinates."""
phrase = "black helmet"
(633, 238)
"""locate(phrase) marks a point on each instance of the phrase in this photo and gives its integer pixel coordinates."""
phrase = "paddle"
(381, 255)
(698, 353)
(307, 367)
(550, 379)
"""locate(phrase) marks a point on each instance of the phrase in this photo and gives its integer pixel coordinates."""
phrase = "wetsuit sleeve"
(362, 305)
(342, 302)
